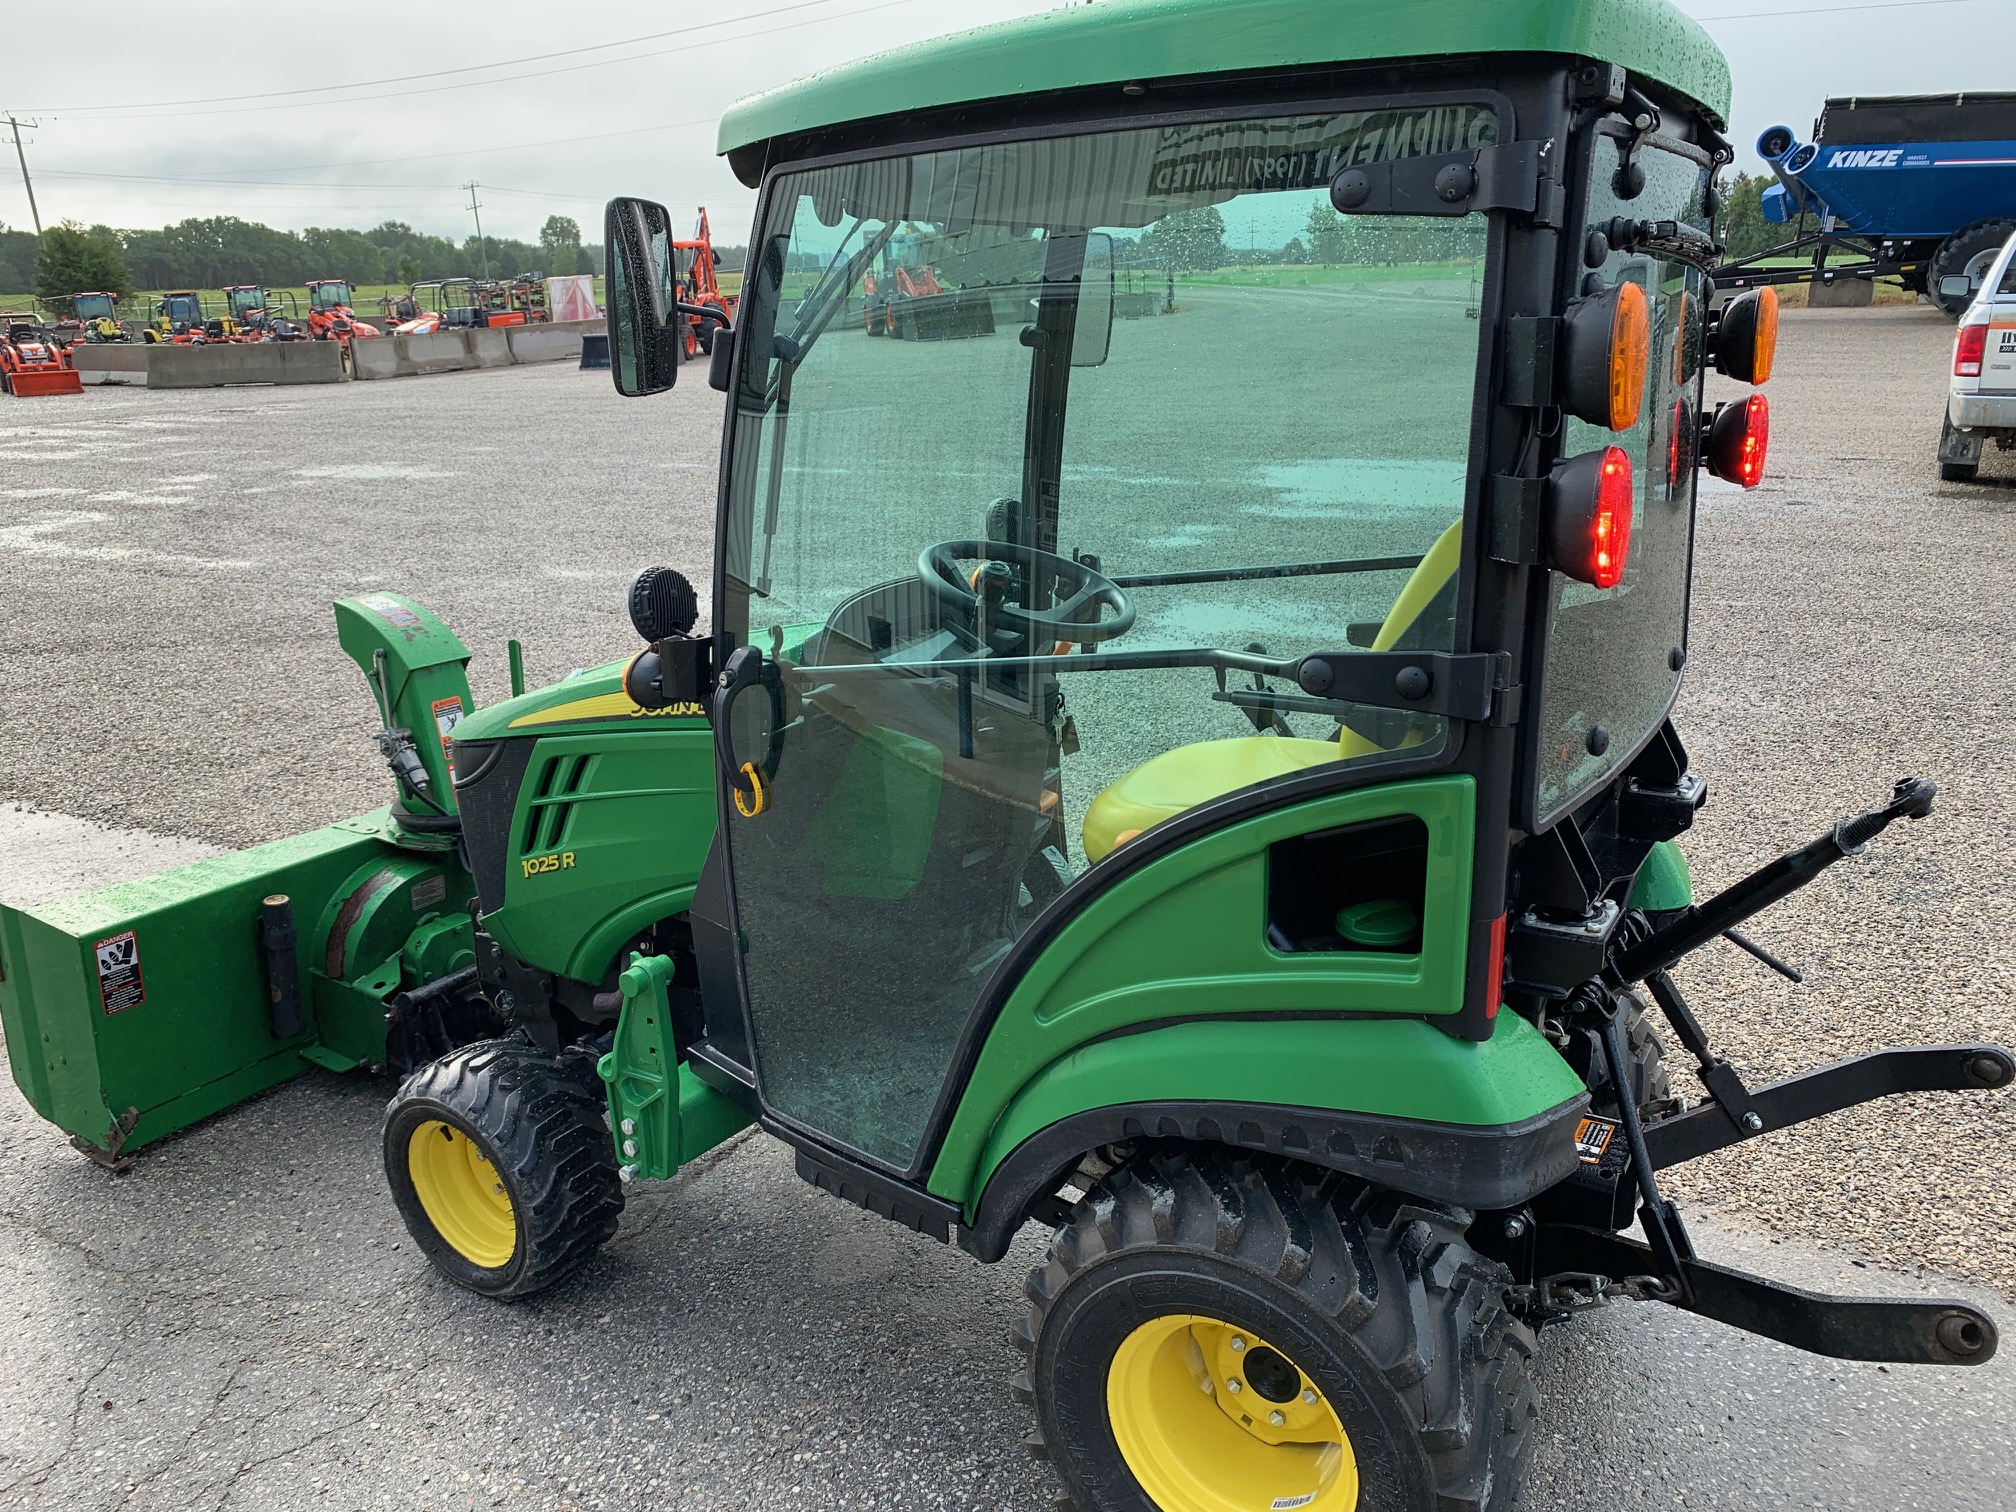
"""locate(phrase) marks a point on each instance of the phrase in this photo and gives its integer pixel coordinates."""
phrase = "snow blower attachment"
(138, 1009)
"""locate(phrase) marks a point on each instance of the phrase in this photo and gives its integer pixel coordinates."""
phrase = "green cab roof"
(1115, 41)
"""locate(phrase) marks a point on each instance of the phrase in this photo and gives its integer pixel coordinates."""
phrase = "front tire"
(1210, 1332)
(501, 1165)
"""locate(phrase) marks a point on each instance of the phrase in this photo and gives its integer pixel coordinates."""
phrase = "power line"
(401, 94)
(1830, 10)
(441, 73)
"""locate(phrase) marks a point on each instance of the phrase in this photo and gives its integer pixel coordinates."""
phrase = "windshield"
(1614, 657)
(1063, 450)
(93, 307)
(329, 295)
(244, 301)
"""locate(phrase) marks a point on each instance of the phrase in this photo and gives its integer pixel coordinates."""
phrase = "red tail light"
(1738, 438)
(1589, 534)
(1969, 351)
(1610, 529)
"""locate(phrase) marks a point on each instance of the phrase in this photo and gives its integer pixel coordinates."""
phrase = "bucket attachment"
(32, 385)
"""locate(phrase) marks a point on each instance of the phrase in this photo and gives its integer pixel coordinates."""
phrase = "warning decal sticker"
(447, 715)
(1592, 1138)
(391, 610)
(119, 984)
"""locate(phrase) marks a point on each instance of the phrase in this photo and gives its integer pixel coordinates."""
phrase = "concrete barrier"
(223, 364)
(1840, 294)
(553, 341)
(481, 347)
(110, 361)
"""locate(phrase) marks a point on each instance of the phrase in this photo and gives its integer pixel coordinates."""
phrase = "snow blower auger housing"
(1206, 785)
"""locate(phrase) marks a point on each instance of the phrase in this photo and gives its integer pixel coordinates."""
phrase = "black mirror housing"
(645, 333)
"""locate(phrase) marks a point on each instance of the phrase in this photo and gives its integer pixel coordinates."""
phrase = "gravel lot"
(242, 1321)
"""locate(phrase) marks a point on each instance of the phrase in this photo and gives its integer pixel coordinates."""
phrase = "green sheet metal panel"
(1185, 938)
(152, 994)
(1402, 1068)
(1121, 40)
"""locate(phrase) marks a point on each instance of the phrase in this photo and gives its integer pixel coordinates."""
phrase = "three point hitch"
(1577, 1262)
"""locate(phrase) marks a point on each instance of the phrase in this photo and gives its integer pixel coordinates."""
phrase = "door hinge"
(1457, 685)
(1510, 176)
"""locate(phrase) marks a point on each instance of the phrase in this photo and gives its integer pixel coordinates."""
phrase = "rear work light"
(1589, 517)
(1970, 351)
(1745, 336)
(1608, 338)
(1738, 438)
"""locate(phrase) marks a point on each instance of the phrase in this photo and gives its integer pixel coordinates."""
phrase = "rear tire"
(1968, 250)
(1382, 1332)
(501, 1164)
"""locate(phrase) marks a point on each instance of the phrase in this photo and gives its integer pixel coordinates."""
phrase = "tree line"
(210, 252)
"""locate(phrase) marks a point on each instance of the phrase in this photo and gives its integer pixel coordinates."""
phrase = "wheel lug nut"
(1234, 1386)
(1309, 1397)
(1238, 1345)
(1276, 1419)
(1208, 1389)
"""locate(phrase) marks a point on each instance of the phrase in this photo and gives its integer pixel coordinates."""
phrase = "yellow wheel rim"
(463, 1195)
(1213, 1418)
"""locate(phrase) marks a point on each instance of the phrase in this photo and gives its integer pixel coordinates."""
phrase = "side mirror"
(1956, 286)
(644, 325)
(1092, 337)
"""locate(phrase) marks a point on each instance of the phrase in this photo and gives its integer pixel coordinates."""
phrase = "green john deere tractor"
(1204, 785)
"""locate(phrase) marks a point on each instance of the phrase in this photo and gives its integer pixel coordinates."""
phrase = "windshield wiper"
(817, 309)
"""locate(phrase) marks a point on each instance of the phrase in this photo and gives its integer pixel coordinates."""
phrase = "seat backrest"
(1433, 580)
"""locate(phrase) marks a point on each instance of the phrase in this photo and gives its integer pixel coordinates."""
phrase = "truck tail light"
(1970, 351)
(1589, 517)
(1739, 436)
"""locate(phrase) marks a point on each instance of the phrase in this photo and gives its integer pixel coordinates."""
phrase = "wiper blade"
(817, 309)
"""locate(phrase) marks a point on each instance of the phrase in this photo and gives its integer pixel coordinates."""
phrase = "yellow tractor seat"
(1164, 786)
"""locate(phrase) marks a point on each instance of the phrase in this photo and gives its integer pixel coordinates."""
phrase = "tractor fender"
(1396, 1102)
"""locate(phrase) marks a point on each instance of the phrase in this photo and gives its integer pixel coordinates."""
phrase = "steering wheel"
(1082, 592)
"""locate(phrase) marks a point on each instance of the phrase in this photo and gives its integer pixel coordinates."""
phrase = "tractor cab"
(97, 317)
(330, 316)
(1051, 606)
(178, 317)
(329, 296)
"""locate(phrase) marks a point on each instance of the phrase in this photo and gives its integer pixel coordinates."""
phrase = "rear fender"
(1392, 1101)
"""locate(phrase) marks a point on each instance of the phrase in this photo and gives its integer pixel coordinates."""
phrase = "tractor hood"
(1146, 40)
(593, 696)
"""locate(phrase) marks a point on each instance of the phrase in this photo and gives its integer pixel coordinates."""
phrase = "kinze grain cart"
(1921, 188)
(1205, 785)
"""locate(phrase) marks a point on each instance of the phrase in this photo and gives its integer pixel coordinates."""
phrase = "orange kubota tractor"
(330, 317)
(34, 363)
(698, 268)
(906, 299)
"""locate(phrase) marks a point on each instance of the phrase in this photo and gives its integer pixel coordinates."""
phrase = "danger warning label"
(119, 984)
(1592, 1139)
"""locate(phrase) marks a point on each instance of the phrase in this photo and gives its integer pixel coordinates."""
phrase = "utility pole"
(26, 182)
(476, 209)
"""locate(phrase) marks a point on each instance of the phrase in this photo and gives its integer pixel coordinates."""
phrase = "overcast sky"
(126, 140)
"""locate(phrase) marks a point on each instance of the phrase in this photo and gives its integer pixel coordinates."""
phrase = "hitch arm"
(1894, 1330)
(1910, 799)
(1924, 1068)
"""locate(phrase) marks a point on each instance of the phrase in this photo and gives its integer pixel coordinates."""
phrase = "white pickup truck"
(1981, 404)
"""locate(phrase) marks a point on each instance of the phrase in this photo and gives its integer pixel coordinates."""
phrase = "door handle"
(748, 781)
